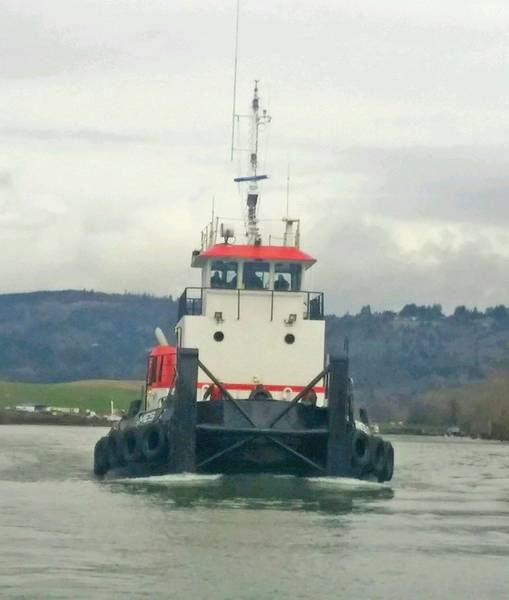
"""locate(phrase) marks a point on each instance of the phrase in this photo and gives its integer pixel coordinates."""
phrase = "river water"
(440, 529)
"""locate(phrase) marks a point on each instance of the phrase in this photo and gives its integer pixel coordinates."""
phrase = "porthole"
(289, 338)
(219, 336)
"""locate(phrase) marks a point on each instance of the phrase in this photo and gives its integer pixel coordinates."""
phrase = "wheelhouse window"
(287, 277)
(223, 274)
(256, 275)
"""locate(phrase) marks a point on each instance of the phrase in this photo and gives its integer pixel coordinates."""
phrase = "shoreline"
(19, 418)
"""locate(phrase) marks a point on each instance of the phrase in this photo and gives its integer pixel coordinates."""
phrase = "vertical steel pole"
(234, 108)
(338, 443)
(182, 429)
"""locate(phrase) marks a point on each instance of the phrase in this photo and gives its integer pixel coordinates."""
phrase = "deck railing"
(191, 301)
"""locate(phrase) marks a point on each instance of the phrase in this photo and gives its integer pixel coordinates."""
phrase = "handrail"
(194, 305)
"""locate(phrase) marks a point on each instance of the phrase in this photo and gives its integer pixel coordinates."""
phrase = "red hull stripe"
(271, 388)
(247, 387)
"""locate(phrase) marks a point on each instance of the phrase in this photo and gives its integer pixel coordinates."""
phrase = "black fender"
(378, 458)
(130, 444)
(114, 446)
(260, 395)
(389, 462)
(361, 451)
(101, 463)
(154, 441)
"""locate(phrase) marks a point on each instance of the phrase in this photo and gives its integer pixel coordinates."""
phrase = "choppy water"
(439, 530)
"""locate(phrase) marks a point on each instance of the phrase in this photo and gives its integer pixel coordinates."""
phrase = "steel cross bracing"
(262, 432)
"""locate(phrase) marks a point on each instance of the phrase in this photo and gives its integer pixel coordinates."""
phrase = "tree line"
(396, 358)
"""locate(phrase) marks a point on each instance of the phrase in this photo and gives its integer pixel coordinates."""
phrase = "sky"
(391, 118)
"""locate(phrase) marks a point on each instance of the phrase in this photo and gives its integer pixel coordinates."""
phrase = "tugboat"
(248, 387)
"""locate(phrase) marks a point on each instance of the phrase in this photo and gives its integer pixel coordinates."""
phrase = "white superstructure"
(253, 320)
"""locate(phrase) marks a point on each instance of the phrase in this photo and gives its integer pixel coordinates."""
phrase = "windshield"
(287, 277)
(256, 275)
(223, 274)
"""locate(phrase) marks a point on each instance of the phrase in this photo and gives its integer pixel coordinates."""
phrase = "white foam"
(170, 479)
(344, 482)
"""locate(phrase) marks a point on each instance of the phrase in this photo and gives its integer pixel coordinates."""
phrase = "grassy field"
(92, 394)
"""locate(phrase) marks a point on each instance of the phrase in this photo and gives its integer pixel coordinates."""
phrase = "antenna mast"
(288, 191)
(252, 231)
(234, 107)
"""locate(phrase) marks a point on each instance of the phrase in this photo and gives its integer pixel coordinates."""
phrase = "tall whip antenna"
(235, 77)
(288, 190)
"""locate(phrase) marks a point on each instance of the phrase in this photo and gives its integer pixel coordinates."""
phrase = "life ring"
(378, 457)
(101, 463)
(154, 441)
(130, 445)
(115, 457)
(389, 462)
(360, 448)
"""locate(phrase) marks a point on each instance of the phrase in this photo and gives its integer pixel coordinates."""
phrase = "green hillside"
(93, 394)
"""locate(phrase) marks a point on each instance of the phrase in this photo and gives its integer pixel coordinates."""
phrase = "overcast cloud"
(393, 117)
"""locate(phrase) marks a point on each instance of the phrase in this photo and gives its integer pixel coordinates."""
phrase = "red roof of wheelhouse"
(249, 252)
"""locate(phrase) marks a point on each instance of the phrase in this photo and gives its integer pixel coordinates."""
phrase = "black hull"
(226, 443)
(232, 436)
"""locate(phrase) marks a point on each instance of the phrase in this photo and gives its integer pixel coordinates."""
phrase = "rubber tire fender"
(389, 462)
(361, 454)
(260, 395)
(378, 458)
(154, 441)
(130, 446)
(115, 458)
(101, 463)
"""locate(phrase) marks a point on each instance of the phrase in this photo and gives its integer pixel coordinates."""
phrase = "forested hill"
(69, 335)
(397, 356)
